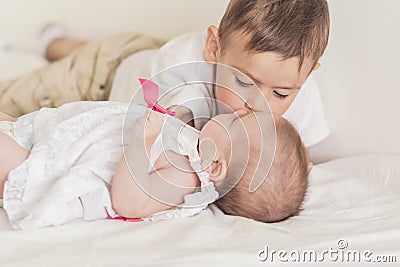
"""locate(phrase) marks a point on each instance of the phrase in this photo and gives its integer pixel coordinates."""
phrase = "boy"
(276, 43)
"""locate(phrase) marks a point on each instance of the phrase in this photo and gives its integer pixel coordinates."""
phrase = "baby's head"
(255, 182)
(276, 43)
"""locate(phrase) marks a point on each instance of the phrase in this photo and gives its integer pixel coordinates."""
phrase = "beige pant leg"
(86, 74)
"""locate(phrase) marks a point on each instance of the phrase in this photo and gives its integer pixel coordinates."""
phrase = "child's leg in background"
(53, 42)
(60, 48)
(86, 74)
(11, 155)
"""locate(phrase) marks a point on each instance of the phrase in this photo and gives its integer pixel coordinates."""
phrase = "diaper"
(7, 128)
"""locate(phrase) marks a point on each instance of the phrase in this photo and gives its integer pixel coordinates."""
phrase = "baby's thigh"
(6, 117)
(11, 155)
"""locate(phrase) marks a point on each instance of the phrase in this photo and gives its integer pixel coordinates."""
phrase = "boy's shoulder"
(185, 48)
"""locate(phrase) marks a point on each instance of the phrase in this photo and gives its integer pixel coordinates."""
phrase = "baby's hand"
(309, 163)
(149, 125)
(153, 125)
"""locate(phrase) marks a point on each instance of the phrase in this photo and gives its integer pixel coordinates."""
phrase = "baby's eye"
(280, 96)
(241, 83)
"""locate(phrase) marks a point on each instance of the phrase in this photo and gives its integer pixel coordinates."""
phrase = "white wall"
(92, 18)
(359, 78)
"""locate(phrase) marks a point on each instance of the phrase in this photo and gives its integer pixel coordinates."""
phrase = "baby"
(168, 170)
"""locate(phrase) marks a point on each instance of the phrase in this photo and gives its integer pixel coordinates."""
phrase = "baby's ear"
(217, 169)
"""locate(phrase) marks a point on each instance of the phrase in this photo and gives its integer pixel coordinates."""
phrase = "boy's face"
(260, 77)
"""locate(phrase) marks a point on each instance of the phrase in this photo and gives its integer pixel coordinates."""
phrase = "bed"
(352, 204)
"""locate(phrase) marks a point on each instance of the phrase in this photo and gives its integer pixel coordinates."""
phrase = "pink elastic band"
(120, 218)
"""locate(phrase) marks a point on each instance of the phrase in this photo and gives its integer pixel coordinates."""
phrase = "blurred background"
(23, 19)
(359, 76)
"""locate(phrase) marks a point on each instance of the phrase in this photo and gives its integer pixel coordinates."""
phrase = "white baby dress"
(76, 149)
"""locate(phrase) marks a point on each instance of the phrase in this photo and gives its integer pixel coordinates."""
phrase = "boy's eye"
(241, 83)
(280, 96)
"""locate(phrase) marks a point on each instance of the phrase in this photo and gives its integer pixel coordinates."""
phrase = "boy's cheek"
(278, 106)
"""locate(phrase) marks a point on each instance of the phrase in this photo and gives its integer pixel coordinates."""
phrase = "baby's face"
(227, 132)
(217, 133)
(246, 142)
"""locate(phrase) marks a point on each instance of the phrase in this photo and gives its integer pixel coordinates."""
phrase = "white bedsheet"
(356, 199)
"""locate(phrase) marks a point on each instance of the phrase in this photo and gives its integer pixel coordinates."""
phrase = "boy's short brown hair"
(292, 28)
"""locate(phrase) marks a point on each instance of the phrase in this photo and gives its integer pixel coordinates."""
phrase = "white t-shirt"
(187, 71)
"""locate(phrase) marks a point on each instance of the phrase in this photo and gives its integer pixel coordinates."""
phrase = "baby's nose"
(247, 107)
(259, 104)
(242, 112)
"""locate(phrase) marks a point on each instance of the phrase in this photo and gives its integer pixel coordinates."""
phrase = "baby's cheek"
(227, 100)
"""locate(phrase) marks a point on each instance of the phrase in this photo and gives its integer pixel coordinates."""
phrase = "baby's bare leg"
(6, 117)
(11, 155)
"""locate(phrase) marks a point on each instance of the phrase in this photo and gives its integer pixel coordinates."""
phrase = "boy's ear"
(316, 66)
(217, 169)
(212, 44)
